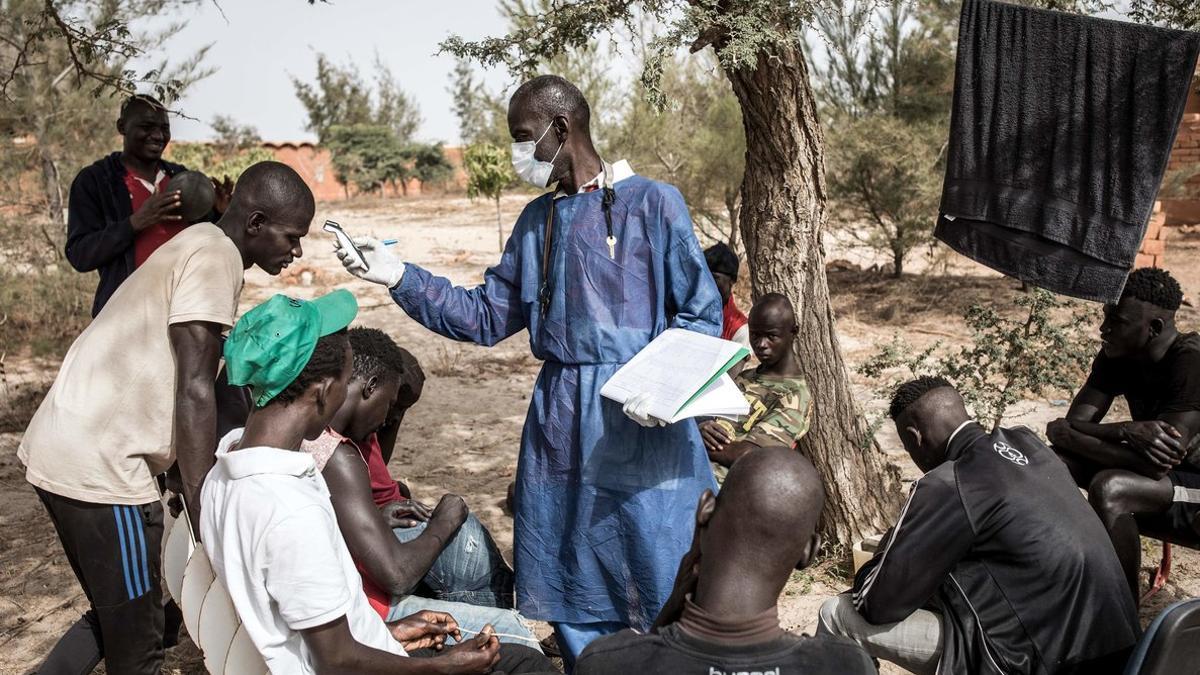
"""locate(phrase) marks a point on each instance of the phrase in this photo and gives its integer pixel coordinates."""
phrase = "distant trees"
(234, 150)
(884, 93)
(371, 156)
(369, 128)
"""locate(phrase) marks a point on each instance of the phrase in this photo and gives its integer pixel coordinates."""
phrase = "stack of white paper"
(685, 374)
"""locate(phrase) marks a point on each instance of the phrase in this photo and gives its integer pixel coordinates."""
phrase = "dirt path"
(463, 435)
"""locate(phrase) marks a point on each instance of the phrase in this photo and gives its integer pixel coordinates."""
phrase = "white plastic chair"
(208, 611)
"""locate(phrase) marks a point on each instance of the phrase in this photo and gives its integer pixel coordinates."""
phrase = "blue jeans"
(509, 626)
(470, 569)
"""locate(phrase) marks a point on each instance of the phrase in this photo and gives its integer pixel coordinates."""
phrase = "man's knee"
(1113, 493)
(830, 618)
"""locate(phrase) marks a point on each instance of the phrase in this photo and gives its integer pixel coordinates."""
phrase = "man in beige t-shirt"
(133, 396)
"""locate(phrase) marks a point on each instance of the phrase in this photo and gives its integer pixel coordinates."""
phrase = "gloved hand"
(385, 268)
(636, 408)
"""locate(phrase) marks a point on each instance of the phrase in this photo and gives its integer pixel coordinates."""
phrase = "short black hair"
(326, 361)
(722, 260)
(908, 393)
(376, 354)
(140, 100)
(550, 96)
(413, 377)
(1155, 286)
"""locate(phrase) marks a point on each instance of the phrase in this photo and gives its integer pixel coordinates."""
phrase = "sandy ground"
(463, 435)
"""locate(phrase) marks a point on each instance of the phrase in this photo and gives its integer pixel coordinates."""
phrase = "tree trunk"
(897, 263)
(783, 211)
(732, 206)
(51, 183)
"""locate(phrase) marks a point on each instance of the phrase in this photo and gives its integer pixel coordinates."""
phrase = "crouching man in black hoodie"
(997, 565)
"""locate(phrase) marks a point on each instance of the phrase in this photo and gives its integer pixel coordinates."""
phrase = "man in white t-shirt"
(134, 395)
(271, 531)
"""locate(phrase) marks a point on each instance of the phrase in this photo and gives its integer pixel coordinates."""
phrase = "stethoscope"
(607, 199)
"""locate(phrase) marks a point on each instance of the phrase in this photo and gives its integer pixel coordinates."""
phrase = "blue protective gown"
(604, 508)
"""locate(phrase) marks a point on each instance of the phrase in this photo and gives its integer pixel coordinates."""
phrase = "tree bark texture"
(782, 215)
(51, 184)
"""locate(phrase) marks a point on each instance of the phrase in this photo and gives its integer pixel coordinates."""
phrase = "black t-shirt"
(674, 652)
(1153, 389)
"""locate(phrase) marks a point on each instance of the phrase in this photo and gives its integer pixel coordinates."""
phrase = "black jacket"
(99, 236)
(1000, 542)
(673, 651)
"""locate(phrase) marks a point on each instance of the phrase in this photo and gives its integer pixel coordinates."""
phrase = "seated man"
(271, 531)
(464, 567)
(452, 554)
(1140, 475)
(722, 615)
(996, 564)
(780, 405)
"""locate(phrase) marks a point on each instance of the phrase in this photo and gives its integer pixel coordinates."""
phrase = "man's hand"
(476, 656)
(405, 513)
(637, 408)
(159, 207)
(1158, 441)
(424, 630)
(451, 510)
(385, 268)
(730, 453)
(1058, 432)
(714, 435)
(224, 194)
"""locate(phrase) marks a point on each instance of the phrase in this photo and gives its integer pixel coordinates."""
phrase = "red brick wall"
(1184, 155)
(1155, 241)
(315, 166)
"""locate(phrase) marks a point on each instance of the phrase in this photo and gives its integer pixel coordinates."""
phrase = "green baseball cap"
(272, 343)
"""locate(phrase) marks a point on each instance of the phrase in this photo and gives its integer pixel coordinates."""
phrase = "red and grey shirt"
(148, 240)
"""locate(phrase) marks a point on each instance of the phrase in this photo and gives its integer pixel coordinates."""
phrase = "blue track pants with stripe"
(115, 553)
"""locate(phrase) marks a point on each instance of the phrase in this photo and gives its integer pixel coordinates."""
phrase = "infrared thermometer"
(346, 243)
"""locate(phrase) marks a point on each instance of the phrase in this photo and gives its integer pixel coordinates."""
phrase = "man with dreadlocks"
(1142, 476)
(594, 271)
(996, 565)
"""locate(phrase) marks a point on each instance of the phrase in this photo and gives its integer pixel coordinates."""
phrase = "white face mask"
(530, 169)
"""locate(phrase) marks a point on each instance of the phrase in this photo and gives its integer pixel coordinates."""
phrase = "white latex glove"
(636, 409)
(385, 268)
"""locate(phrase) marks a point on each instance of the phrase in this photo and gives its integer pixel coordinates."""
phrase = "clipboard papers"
(686, 375)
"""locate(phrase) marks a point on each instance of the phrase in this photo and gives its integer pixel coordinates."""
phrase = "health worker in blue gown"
(594, 270)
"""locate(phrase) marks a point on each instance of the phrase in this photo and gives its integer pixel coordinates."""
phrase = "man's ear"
(1156, 326)
(369, 387)
(914, 433)
(320, 392)
(121, 125)
(810, 550)
(562, 127)
(255, 222)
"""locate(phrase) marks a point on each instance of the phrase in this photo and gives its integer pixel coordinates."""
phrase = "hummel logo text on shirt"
(718, 671)
(1011, 454)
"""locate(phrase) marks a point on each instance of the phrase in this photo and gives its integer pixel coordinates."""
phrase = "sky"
(259, 44)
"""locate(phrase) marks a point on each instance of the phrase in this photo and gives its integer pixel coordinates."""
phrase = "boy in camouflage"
(780, 404)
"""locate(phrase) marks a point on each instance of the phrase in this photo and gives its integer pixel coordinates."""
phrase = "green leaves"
(370, 156)
(340, 96)
(1043, 349)
(489, 170)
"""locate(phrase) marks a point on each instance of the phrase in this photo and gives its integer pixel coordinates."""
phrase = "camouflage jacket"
(780, 409)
